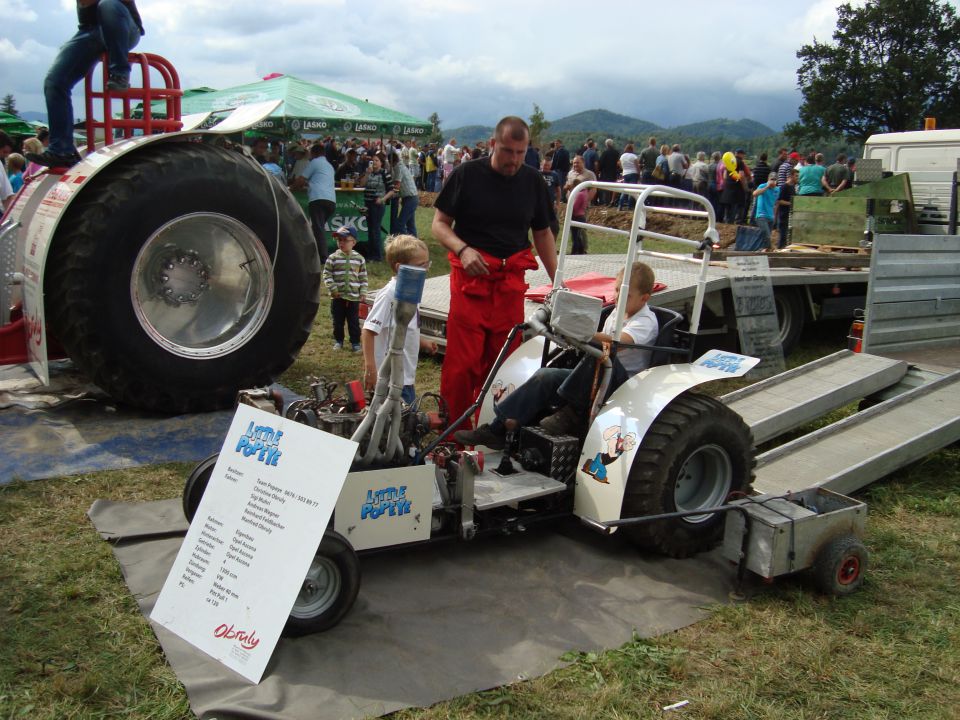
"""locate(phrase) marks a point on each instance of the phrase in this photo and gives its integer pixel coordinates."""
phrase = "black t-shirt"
(493, 212)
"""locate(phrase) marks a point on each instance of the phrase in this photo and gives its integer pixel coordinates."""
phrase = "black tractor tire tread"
(76, 318)
(649, 481)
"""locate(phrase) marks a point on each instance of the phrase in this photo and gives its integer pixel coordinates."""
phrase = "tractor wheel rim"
(849, 570)
(320, 588)
(202, 285)
(704, 480)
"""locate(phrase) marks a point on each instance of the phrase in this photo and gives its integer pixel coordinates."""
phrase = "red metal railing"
(145, 94)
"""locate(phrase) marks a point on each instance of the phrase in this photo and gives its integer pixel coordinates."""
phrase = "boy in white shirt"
(572, 388)
(375, 337)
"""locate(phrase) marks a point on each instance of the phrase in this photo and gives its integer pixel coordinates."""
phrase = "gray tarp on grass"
(430, 623)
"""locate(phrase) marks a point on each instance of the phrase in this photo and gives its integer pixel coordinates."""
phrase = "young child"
(572, 388)
(345, 275)
(400, 250)
(15, 165)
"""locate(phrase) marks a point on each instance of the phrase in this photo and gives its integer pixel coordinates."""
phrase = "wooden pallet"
(844, 249)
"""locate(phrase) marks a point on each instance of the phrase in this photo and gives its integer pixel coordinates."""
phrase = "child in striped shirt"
(345, 275)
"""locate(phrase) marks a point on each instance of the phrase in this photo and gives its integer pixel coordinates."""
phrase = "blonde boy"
(375, 338)
(572, 389)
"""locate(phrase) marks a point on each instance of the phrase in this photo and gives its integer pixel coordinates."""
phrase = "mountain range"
(601, 124)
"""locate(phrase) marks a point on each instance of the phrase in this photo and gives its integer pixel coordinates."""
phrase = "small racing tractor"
(172, 270)
(653, 448)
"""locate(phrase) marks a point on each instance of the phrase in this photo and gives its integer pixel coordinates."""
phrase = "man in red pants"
(483, 216)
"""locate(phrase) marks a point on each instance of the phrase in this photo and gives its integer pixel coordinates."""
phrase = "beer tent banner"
(307, 108)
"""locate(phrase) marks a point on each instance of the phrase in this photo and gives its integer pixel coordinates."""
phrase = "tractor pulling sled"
(658, 458)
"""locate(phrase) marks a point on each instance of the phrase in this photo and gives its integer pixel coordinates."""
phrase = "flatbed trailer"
(801, 295)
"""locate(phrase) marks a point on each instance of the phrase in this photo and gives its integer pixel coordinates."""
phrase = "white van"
(930, 157)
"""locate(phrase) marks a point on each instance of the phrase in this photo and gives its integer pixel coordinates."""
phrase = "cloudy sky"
(471, 61)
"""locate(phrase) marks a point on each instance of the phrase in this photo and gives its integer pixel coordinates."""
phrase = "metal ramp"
(793, 398)
(864, 447)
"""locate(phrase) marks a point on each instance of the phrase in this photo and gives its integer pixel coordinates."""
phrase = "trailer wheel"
(329, 589)
(790, 315)
(695, 454)
(196, 486)
(181, 274)
(840, 566)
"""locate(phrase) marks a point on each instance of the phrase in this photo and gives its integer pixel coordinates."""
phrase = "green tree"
(8, 104)
(538, 125)
(435, 134)
(891, 63)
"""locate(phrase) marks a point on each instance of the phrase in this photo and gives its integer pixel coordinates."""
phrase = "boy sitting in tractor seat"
(572, 389)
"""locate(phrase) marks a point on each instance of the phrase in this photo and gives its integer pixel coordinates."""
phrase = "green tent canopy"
(12, 125)
(306, 108)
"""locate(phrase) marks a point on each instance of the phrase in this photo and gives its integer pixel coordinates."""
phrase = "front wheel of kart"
(329, 589)
(695, 454)
(196, 486)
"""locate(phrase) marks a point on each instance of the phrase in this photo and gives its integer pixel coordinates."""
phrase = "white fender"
(516, 370)
(621, 424)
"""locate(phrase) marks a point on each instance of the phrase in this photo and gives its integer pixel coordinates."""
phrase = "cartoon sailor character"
(617, 444)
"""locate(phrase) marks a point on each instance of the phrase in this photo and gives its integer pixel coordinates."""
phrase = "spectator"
(578, 235)
(781, 159)
(532, 158)
(345, 276)
(258, 149)
(451, 158)
(15, 166)
(733, 195)
(766, 196)
(317, 177)
(578, 174)
(349, 168)
(378, 190)
(609, 164)
(6, 191)
(762, 171)
(409, 199)
(748, 185)
(676, 165)
(430, 168)
(630, 166)
(812, 181)
(838, 175)
(648, 161)
(785, 205)
(714, 184)
(561, 163)
(786, 167)
(111, 26)
(401, 250)
(591, 159)
(700, 174)
(272, 166)
(552, 180)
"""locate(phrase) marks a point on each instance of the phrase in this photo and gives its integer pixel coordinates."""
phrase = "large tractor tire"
(695, 454)
(181, 274)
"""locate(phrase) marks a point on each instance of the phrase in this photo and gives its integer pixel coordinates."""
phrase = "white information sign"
(756, 312)
(255, 532)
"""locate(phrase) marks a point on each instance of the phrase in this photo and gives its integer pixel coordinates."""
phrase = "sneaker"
(338, 346)
(118, 82)
(355, 347)
(49, 159)
(483, 435)
(564, 421)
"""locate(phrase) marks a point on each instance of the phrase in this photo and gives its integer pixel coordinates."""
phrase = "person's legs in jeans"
(407, 221)
(374, 218)
(119, 34)
(627, 199)
(535, 396)
(76, 56)
(353, 321)
(764, 225)
(320, 210)
(338, 310)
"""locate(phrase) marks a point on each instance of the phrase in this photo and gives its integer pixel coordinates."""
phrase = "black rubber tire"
(92, 263)
(791, 315)
(196, 486)
(336, 561)
(691, 425)
(840, 566)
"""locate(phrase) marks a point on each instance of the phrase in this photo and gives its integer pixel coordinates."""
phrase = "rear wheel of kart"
(329, 589)
(840, 566)
(196, 486)
(180, 274)
(695, 454)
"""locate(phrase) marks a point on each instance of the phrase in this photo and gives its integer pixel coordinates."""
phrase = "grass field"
(73, 644)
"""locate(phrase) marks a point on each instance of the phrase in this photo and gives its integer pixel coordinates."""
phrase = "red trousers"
(483, 310)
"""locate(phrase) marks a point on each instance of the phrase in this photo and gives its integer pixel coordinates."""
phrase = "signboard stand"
(756, 312)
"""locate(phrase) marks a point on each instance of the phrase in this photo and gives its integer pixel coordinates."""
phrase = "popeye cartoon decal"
(617, 444)
(500, 392)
